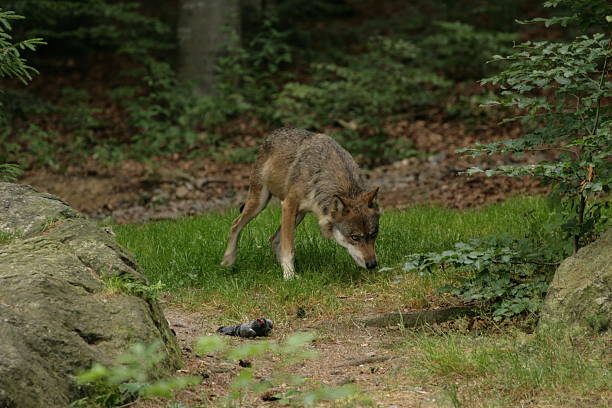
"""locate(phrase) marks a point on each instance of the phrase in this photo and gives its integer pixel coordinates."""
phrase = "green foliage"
(461, 51)
(92, 25)
(7, 237)
(167, 115)
(129, 285)
(509, 276)
(251, 76)
(134, 375)
(9, 172)
(560, 90)
(314, 9)
(357, 97)
(12, 64)
(592, 15)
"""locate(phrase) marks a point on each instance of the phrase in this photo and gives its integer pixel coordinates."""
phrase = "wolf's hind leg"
(256, 201)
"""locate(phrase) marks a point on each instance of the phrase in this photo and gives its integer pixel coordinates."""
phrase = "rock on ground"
(580, 294)
(57, 315)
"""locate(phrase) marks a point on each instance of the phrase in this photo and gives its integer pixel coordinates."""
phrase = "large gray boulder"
(580, 294)
(57, 313)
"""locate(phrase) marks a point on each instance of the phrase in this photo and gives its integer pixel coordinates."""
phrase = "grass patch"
(7, 237)
(185, 256)
(548, 368)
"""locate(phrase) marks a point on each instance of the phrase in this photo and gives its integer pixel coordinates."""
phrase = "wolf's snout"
(371, 264)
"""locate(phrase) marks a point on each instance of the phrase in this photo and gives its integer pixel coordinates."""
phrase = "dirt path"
(348, 353)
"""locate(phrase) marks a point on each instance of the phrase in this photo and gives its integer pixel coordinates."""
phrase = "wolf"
(310, 172)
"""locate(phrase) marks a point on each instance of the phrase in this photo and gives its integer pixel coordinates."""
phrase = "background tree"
(204, 28)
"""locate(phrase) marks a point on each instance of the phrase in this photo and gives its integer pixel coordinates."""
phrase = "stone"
(57, 315)
(26, 212)
(580, 294)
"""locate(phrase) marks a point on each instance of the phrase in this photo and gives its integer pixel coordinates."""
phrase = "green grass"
(511, 368)
(185, 256)
(7, 238)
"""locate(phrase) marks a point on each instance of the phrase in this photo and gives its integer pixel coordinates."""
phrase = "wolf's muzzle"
(371, 264)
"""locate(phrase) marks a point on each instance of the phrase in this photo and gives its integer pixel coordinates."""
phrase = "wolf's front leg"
(288, 224)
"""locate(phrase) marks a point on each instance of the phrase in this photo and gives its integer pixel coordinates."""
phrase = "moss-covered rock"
(580, 294)
(26, 212)
(57, 316)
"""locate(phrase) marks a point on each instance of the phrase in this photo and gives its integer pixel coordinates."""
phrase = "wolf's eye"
(355, 237)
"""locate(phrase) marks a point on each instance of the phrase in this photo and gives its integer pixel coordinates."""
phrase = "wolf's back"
(313, 158)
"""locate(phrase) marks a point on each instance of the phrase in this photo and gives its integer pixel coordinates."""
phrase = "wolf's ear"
(370, 198)
(339, 205)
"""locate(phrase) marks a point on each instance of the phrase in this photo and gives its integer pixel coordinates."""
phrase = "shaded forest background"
(111, 87)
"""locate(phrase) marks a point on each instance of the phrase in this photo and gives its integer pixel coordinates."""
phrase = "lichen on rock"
(580, 294)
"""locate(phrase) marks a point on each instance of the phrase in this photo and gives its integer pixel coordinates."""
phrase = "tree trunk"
(204, 27)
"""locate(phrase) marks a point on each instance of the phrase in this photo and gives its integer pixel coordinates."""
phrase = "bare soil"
(348, 353)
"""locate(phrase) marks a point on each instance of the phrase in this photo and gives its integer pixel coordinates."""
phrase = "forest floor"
(372, 359)
(164, 189)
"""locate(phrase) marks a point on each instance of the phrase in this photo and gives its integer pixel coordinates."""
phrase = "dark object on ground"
(580, 294)
(271, 395)
(417, 318)
(245, 363)
(57, 316)
(258, 327)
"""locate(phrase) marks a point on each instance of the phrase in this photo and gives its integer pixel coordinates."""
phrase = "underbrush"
(185, 256)
(267, 82)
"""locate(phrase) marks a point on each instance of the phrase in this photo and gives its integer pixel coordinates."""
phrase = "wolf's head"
(353, 224)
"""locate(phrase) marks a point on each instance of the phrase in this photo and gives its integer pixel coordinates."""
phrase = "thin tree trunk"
(204, 27)
(577, 236)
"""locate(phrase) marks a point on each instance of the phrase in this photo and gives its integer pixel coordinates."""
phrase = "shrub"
(361, 99)
(12, 64)
(461, 51)
(559, 90)
(506, 276)
(167, 116)
(251, 76)
(572, 120)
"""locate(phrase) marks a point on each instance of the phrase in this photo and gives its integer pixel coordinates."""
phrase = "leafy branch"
(11, 62)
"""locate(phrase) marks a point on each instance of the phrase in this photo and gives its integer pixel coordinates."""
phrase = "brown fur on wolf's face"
(356, 223)
(310, 172)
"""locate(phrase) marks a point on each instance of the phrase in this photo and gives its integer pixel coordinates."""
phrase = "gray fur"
(310, 172)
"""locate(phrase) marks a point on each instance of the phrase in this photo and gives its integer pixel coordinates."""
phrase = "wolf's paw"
(228, 260)
(289, 275)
